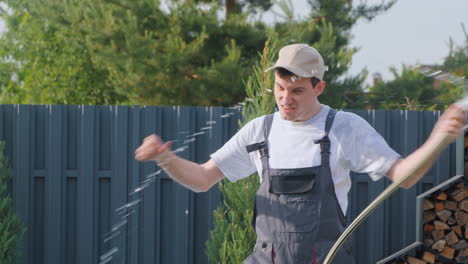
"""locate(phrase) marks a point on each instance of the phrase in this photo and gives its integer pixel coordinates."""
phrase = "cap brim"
(296, 71)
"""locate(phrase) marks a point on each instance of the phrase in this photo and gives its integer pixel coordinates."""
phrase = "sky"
(411, 32)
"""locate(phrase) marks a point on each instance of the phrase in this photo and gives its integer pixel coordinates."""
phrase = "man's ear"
(320, 87)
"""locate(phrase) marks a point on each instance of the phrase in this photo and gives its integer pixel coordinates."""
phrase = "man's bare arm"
(197, 177)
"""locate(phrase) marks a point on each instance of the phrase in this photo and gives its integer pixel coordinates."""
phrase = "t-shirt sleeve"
(233, 159)
(364, 150)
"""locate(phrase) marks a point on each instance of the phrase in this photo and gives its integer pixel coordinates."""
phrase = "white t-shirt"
(355, 146)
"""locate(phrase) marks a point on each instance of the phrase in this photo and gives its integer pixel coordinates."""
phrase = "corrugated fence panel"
(364, 190)
(21, 160)
(86, 198)
(393, 225)
(71, 146)
(120, 139)
(410, 136)
(74, 165)
(135, 125)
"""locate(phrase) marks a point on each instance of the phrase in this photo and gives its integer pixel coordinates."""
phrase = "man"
(303, 154)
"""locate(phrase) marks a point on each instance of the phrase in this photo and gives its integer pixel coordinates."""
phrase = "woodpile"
(446, 223)
(445, 228)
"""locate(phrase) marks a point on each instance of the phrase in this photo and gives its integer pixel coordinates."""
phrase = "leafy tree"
(407, 88)
(188, 56)
(40, 67)
(11, 228)
(457, 59)
(126, 52)
(343, 15)
(135, 52)
(233, 238)
(328, 29)
(236, 6)
(411, 89)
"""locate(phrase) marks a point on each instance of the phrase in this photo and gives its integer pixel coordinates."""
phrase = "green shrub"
(233, 237)
(11, 228)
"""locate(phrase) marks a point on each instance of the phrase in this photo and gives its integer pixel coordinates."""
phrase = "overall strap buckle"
(261, 147)
(324, 144)
(263, 150)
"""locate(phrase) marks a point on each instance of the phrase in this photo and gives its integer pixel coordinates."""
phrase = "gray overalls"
(297, 216)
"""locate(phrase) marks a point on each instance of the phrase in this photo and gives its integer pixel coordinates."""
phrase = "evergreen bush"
(233, 237)
(11, 228)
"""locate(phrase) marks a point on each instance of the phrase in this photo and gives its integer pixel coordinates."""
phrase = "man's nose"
(286, 99)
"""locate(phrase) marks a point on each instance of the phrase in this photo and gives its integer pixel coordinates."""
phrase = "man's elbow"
(204, 188)
(197, 187)
(211, 175)
(407, 185)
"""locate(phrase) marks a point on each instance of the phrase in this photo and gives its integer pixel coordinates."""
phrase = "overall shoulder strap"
(329, 121)
(267, 121)
(267, 125)
(263, 148)
(325, 141)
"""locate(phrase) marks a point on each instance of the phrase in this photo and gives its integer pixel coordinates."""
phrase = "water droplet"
(141, 187)
(153, 174)
(119, 225)
(111, 236)
(106, 260)
(128, 205)
(434, 73)
(196, 134)
(127, 215)
(181, 149)
(108, 254)
(189, 140)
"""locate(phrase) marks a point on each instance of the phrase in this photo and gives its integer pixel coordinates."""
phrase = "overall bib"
(297, 216)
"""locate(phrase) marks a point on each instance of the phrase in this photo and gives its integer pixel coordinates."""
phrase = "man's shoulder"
(257, 121)
(349, 119)
(348, 124)
(254, 127)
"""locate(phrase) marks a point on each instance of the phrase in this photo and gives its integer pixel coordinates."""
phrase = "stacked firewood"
(446, 223)
(427, 257)
(445, 228)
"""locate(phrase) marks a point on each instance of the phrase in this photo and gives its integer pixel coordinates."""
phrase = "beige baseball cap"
(302, 60)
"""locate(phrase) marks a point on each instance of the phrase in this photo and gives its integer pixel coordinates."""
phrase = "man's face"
(297, 100)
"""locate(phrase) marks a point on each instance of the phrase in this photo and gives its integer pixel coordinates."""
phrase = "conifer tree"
(233, 237)
(11, 228)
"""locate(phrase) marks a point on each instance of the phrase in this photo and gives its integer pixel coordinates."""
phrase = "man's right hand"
(152, 148)
(199, 178)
